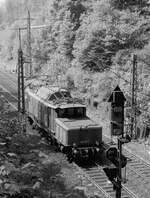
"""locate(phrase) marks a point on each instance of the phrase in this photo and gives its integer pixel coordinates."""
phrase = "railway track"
(98, 178)
(9, 98)
(135, 162)
(137, 171)
(140, 166)
(136, 167)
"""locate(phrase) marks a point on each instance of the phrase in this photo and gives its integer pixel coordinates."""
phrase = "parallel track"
(137, 169)
(136, 163)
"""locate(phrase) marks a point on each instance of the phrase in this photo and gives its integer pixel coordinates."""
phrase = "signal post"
(114, 154)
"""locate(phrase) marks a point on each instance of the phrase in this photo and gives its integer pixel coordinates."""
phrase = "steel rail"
(92, 181)
(14, 81)
(130, 152)
(140, 169)
(129, 191)
(137, 157)
(138, 166)
(6, 91)
(137, 173)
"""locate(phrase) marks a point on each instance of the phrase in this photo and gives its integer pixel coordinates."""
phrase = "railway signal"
(114, 174)
(117, 100)
(112, 154)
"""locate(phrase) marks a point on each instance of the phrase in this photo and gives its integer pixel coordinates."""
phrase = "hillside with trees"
(87, 46)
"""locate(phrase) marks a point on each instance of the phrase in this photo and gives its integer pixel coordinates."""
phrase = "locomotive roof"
(55, 97)
(47, 93)
(77, 123)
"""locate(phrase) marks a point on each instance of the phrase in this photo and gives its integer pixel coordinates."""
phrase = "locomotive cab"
(80, 137)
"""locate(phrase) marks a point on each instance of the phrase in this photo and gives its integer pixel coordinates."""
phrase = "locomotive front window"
(62, 113)
(72, 112)
(79, 112)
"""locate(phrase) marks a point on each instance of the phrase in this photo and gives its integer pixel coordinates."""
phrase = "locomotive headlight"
(86, 151)
(74, 145)
(97, 149)
(75, 151)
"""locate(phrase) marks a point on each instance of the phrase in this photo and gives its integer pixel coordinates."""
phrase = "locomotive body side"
(40, 112)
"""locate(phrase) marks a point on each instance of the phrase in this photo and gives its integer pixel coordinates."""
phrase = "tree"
(124, 4)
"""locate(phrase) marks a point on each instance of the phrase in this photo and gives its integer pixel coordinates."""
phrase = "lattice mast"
(134, 87)
(21, 95)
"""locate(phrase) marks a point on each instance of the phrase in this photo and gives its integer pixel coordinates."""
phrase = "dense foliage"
(88, 45)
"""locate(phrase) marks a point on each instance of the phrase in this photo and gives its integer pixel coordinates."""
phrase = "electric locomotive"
(64, 121)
